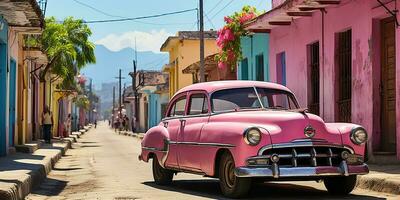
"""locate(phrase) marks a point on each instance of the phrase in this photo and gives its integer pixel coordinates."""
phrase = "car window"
(178, 108)
(231, 99)
(276, 99)
(198, 104)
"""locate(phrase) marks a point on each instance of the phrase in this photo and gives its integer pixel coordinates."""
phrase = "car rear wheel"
(161, 176)
(341, 185)
(231, 185)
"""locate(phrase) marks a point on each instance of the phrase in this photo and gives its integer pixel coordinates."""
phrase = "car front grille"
(308, 156)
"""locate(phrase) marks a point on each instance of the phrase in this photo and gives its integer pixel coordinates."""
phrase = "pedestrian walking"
(47, 124)
(126, 127)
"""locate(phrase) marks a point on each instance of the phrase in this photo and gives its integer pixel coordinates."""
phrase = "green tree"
(68, 49)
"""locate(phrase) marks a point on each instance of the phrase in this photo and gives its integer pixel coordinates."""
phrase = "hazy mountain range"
(109, 62)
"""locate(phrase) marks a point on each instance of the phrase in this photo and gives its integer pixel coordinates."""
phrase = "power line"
(97, 10)
(229, 3)
(122, 17)
(216, 5)
(142, 17)
(209, 20)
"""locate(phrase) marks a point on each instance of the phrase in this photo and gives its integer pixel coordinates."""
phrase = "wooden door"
(388, 85)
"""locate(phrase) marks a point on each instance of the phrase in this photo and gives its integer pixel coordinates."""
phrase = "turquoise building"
(4, 69)
(255, 62)
(157, 104)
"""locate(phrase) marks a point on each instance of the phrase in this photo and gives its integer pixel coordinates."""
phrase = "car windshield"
(252, 98)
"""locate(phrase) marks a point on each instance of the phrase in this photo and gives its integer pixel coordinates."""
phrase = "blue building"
(255, 62)
(4, 68)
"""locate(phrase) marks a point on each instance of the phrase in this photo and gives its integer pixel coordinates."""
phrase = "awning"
(22, 13)
(209, 64)
(284, 14)
(167, 67)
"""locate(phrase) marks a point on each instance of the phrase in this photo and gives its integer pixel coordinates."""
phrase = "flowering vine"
(228, 40)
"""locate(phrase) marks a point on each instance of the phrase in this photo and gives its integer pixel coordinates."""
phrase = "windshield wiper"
(277, 108)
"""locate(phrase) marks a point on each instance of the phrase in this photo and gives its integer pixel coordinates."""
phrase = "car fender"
(345, 130)
(155, 142)
(229, 137)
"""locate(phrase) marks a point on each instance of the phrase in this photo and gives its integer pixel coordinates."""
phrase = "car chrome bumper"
(281, 172)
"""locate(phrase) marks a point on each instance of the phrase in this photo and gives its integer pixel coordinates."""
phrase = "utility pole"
(202, 77)
(113, 107)
(90, 102)
(120, 92)
(134, 88)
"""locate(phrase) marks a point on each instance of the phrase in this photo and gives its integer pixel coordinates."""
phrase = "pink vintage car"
(244, 130)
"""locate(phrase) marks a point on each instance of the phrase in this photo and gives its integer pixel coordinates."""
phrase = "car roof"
(212, 86)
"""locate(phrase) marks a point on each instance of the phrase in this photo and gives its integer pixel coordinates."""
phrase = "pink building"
(339, 57)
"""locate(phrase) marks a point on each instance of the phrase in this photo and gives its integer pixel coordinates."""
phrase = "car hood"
(285, 126)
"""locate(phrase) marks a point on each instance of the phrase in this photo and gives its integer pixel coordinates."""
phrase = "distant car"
(242, 130)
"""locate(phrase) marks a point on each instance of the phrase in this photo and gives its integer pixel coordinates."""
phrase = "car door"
(189, 139)
(173, 124)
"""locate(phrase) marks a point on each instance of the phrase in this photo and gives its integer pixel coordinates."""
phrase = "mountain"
(109, 62)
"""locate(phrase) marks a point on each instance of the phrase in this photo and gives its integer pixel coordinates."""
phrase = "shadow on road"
(50, 187)
(210, 189)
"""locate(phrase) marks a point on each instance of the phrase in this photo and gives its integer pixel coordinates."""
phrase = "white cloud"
(145, 41)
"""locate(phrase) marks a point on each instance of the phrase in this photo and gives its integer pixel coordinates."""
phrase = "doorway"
(12, 84)
(388, 85)
(344, 60)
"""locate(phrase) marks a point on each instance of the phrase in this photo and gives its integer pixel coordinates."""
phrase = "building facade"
(340, 59)
(15, 71)
(184, 50)
(255, 62)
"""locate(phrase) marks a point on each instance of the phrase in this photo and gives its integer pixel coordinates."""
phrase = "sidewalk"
(20, 172)
(381, 178)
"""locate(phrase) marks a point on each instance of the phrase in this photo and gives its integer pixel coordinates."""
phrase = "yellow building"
(184, 49)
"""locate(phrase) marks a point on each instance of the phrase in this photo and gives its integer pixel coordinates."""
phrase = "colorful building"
(340, 58)
(255, 62)
(152, 99)
(15, 71)
(184, 50)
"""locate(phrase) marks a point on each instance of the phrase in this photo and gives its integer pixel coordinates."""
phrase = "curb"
(17, 183)
(379, 184)
(135, 135)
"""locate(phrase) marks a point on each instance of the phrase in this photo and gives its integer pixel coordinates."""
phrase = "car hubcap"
(230, 177)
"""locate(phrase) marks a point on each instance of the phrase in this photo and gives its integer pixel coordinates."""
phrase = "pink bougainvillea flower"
(246, 17)
(231, 55)
(228, 35)
(228, 20)
(221, 65)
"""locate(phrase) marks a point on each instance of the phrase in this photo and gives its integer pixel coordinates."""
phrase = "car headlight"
(252, 136)
(359, 135)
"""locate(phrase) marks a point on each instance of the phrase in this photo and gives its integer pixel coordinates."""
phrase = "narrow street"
(104, 165)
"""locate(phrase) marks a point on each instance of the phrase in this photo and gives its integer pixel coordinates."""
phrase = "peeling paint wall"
(362, 17)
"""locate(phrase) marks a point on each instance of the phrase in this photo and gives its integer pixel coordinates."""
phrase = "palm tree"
(67, 47)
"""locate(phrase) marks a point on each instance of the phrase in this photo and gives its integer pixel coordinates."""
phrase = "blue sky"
(149, 33)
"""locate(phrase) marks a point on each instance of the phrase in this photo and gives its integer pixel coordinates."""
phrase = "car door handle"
(165, 124)
(183, 122)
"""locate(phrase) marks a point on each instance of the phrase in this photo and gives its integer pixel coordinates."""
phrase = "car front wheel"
(161, 176)
(231, 185)
(341, 185)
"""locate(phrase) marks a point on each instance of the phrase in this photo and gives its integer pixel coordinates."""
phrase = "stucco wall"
(187, 52)
(359, 16)
(253, 46)
(3, 87)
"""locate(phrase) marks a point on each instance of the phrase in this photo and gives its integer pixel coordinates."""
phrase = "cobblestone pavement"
(104, 165)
